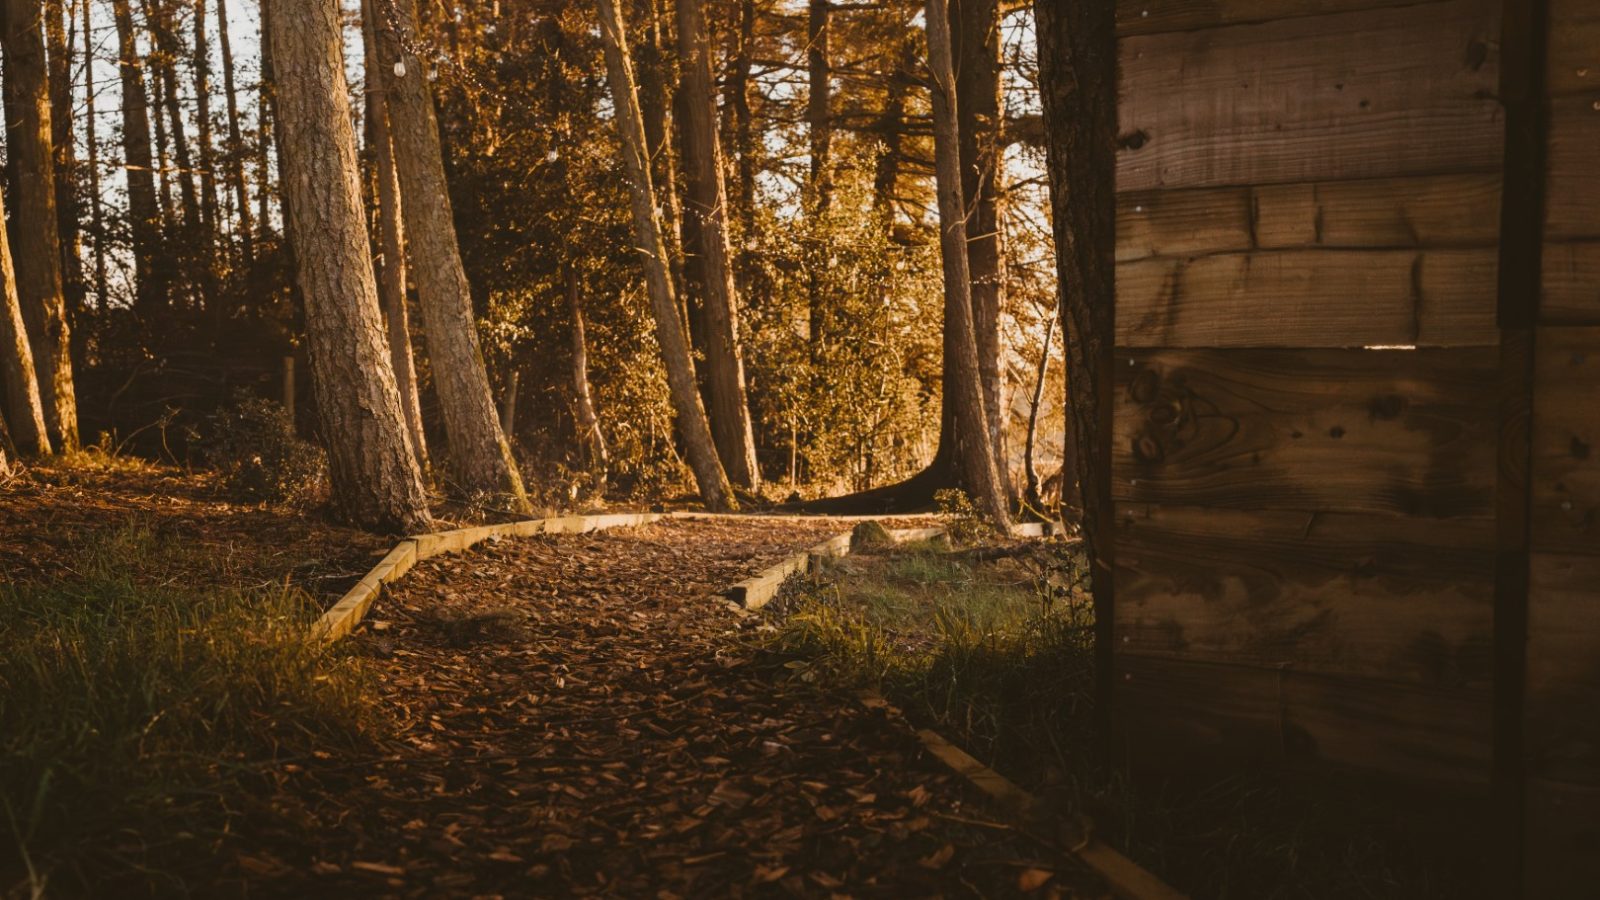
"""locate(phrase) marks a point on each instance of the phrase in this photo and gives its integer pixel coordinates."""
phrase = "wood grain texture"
(1366, 94)
(1563, 680)
(1309, 298)
(1378, 596)
(1182, 714)
(1574, 66)
(1566, 440)
(1573, 201)
(1157, 16)
(1360, 431)
(1425, 211)
(1571, 283)
(1563, 840)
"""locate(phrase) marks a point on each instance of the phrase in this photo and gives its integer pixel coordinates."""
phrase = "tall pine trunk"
(144, 212)
(91, 142)
(376, 481)
(691, 415)
(24, 406)
(235, 148)
(159, 15)
(1078, 93)
(37, 247)
(391, 257)
(480, 456)
(708, 206)
(975, 35)
(974, 450)
(62, 41)
(210, 214)
(653, 104)
(819, 123)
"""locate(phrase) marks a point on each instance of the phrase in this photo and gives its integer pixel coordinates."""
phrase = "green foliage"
(252, 443)
(133, 717)
(963, 522)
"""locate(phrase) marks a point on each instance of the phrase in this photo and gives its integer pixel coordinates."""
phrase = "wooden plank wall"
(1306, 524)
(1562, 708)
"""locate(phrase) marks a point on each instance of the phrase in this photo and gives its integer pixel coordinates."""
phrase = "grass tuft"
(136, 716)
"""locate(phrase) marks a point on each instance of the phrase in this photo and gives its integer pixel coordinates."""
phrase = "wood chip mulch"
(582, 717)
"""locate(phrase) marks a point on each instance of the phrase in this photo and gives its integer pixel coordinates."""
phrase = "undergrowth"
(137, 717)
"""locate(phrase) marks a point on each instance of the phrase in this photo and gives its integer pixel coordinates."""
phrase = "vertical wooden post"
(288, 387)
(1525, 30)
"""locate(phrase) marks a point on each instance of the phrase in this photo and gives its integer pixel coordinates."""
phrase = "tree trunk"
(265, 127)
(975, 38)
(973, 448)
(480, 456)
(62, 41)
(24, 405)
(891, 131)
(738, 93)
(235, 149)
(702, 452)
(38, 241)
(145, 214)
(210, 215)
(391, 256)
(92, 146)
(707, 206)
(376, 481)
(159, 14)
(594, 441)
(1030, 471)
(653, 103)
(1078, 92)
(819, 122)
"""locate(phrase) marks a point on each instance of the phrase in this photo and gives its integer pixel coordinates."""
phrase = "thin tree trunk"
(653, 104)
(143, 209)
(707, 206)
(157, 86)
(24, 405)
(92, 146)
(391, 257)
(159, 14)
(819, 121)
(1078, 93)
(594, 441)
(975, 34)
(480, 456)
(210, 215)
(38, 241)
(701, 449)
(891, 131)
(738, 93)
(62, 41)
(235, 149)
(974, 450)
(264, 126)
(376, 481)
(1031, 471)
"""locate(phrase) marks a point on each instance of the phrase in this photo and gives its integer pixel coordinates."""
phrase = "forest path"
(583, 717)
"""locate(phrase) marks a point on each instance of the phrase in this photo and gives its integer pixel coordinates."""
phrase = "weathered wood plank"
(1375, 93)
(1374, 596)
(1563, 675)
(1157, 16)
(1183, 714)
(1362, 431)
(1563, 840)
(1574, 48)
(1309, 298)
(1425, 211)
(1566, 440)
(1572, 207)
(1571, 283)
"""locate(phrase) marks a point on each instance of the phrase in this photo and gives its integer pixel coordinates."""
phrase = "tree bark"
(266, 114)
(235, 148)
(707, 206)
(819, 123)
(62, 41)
(38, 244)
(738, 92)
(592, 438)
(92, 146)
(480, 456)
(691, 415)
(653, 104)
(24, 405)
(159, 14)
(376, 481)
(973, 448)
(975, 38)
(391, 256)
(144, 212)
(1032, 496)
(210, 214)
(1078, 92)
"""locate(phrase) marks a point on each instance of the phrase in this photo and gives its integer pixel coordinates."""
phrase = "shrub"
(254, 446)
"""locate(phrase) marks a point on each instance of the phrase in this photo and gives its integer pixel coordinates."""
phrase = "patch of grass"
(137, 718)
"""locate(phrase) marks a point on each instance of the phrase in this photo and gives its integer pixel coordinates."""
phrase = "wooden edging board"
(343, 616)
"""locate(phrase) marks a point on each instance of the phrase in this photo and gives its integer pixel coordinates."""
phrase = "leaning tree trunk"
(376, 481)
(38, 240)
(700, 447)
(593, 439)
(24, 406)
(480, 456)
(975, 453)
(1078, 91)
(976, 46)
(391, 259)
(708, 206)
(144, 212)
